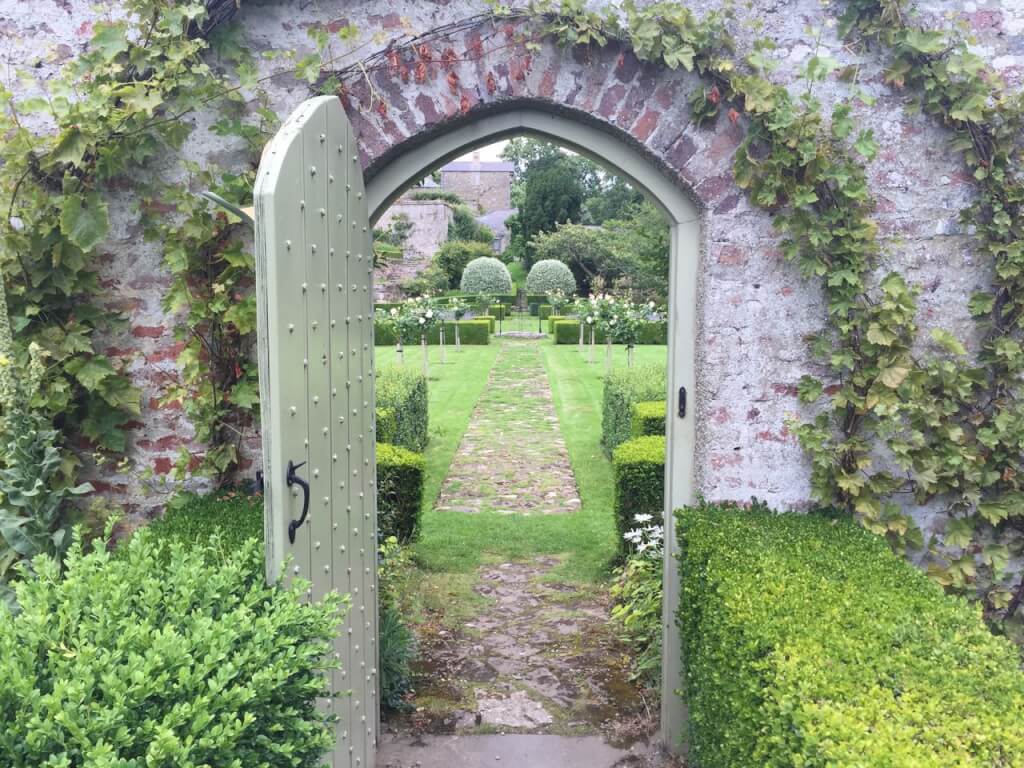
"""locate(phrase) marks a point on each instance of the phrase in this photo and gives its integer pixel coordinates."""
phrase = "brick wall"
(755, 308)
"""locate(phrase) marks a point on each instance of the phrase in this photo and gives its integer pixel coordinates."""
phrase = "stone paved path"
(540, 658)
(512, 457)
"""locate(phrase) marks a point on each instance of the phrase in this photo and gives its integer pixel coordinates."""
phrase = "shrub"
(403, 390)
(650, 333)
(456, 254)
(466, 228)
(550, 275)
(808, 642)
(622, 388)
(396, 643)
(489, 319)
(649, 418)
(168, 654)
(497, 311)
(544, 310)
(486, 275)
(637, 592)
(638, 472)
(474, 332)
(399, 491)
(552, 319)
(234, 516)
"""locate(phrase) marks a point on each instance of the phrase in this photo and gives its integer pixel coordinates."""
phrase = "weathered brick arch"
(753, 350)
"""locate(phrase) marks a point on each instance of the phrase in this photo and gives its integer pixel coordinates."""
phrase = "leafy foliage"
(964, 431)
(402, 392)
(623, 388)
(807, 642)
(638, 469)
(637, 592)
(551, 194)
(400, 491)
(486, 275)
(550, 275)
(456, 254)
(169, 653)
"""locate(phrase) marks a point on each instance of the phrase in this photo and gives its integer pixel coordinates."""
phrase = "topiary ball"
(550, 275)
(486, 275)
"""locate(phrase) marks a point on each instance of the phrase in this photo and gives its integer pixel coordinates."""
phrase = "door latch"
(293, 479)
(682, 402)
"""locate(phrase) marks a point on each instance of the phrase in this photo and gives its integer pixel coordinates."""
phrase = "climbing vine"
(953, 428)
(964, 438)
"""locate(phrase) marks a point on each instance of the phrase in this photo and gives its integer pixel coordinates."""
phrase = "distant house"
(496, 221)
(484, 185)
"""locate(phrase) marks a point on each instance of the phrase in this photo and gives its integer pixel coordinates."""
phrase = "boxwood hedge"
(648, 418)
(476, 332)
(168, 654)
(622, 388)
(567, 331)
(402, 406)
(809, 643)
(638, 471)
(399, 491)
(552, 319)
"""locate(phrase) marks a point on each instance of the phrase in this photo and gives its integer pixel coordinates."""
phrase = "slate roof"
(484, 166)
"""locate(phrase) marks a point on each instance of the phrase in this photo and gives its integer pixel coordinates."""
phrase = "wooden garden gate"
(314, 282)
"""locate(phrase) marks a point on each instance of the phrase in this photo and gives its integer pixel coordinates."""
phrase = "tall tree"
(551, 194)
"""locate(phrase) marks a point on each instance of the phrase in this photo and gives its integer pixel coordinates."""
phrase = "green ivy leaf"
(948, 341)
(109, 40)
(90, 372)
(866, 146)
(83, 220)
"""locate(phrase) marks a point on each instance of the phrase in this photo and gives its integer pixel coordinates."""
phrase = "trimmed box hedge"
(552, 319)
(400, 476)
(624, 387)
(489, 319)
(498, 311)
(808, 642)
(649, 418)
(568, 332)
(638, 471)
(544, 310)
(402, 402)
(475, 331)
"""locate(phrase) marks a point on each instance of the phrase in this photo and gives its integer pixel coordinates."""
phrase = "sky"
(490, 152)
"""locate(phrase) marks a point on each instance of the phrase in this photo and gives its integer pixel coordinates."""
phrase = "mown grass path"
(512, 458)
(509, 596)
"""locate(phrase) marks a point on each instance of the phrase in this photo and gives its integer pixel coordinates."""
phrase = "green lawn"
(452, 542)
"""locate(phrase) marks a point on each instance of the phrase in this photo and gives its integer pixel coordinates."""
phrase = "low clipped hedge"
(808, 642)
(498, 311)
(638, 471)
(567, 331)
(648, 418)
(165, 654)
(544, 310)
(624, 387)
(552, 319)
(400, 476)
(489, 319)
(475, 332)
(402, 402)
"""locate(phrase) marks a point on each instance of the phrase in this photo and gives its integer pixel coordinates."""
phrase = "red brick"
(645, 126)
(163, 465)
(149, 331)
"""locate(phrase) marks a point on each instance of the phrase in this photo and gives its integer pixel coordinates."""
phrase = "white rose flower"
(394, 311)
(430, 313)
(422, 321)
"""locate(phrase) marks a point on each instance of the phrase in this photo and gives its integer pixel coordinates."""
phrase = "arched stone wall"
(755, 307)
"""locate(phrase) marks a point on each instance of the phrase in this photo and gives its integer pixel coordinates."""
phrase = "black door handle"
(682, 402)
(293, 479)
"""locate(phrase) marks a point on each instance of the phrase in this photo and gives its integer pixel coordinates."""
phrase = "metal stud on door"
(314, 282)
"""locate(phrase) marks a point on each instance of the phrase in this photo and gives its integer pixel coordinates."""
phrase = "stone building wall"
(755, 308)
(429, 220)
(482, 190)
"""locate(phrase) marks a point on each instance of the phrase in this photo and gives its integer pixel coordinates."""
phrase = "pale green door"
(314, 281)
